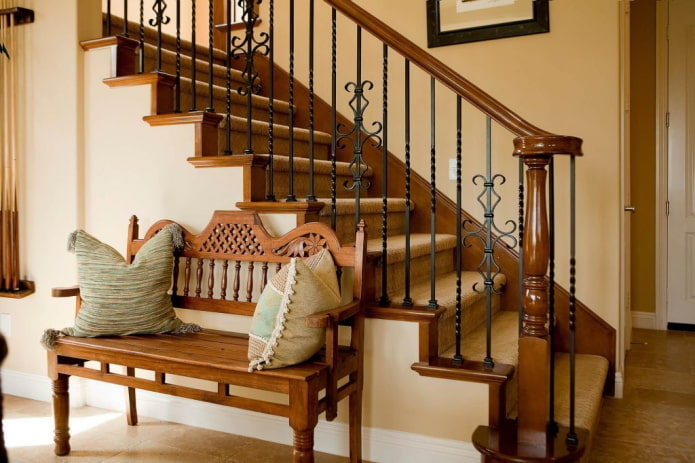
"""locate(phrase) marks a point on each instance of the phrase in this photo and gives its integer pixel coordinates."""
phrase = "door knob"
(629, 209)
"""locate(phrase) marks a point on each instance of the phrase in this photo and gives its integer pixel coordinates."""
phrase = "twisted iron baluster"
(458, 358)
(433, 197)
(125, 19)
(159, 7)
(488, 267)
(356, 135)
(247, 48)
(141, 31)
(108, 18)
(334, 126)
(211, 64)
(384, 300)
(311, 196)
(177, 95)
(271, 104)
(228, 81)
(407, 300)
(572, 438)
(194, 58)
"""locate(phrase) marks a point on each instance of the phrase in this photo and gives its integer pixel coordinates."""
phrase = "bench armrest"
(325, 318)
(66, 292)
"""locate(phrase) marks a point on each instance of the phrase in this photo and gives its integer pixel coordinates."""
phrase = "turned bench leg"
(61, 414)
(303, 419)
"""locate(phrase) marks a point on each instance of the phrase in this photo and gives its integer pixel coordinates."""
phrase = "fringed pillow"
(120, 298)
(278, 334)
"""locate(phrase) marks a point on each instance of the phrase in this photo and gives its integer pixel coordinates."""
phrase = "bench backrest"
(225, 267)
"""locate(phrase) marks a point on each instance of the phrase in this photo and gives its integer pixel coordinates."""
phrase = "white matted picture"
(460, 21)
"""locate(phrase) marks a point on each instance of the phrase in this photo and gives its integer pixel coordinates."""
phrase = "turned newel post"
(534, 343)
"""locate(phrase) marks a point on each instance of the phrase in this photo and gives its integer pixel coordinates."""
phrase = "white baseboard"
(378, 445)
(645, 320)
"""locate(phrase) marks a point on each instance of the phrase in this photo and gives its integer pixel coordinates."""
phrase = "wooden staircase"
(290, 134)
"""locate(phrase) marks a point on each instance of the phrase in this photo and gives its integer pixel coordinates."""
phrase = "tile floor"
(653, 423)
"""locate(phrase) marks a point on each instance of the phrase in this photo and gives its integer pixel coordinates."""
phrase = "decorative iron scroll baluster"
(407, 300)
(141, 33)
(246, 48)
(458, 358)
(270, 196)
(108, 18)
(488, 267)
(358, 104)
(225, 268)
(433, 197)
(211, 64)
(552, 424)
(159, 7)
(198, 278)
(211, 278)
(334, 126)
(384, 300)
(311, 196)
(125, 19)
(228, 81)
(520, 295)
(237, 280)
(572, 438)
(175, 279)
(249, 282)
(290, 195)
(177, 84)
(194, 57)
(187, 277)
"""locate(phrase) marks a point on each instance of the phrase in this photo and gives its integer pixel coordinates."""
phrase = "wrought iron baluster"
(141, 47)
(108, 18)
(384, 300)
(311, 196)
(488, 267)
(433, 197)
(334, 123)
(125, 19)
(228, 81)
(177, 94)
(211, 64)
(271, 104)
(572, 438)
(194, 59)
(290, 195)
(356, 135)
(458, 358)
(159, 7)
(552, 425)
(407, 300)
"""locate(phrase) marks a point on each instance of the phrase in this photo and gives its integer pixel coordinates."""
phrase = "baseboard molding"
(331, 437)
(645, 320)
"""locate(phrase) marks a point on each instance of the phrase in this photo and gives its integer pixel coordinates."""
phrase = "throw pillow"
(278, 335)
(120, 298)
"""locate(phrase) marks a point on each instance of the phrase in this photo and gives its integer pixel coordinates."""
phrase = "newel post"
(534, 342)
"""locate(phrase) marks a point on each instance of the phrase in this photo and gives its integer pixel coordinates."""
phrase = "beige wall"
(642, 152)
(79, 170)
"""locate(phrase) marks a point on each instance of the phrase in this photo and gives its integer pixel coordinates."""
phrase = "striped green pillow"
(120, 298)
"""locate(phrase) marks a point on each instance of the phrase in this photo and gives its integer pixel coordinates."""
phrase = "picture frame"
(451, 22)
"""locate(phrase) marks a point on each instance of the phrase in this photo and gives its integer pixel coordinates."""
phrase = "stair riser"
(472, 316)
(322, 185)
(280, 147)
(345, 224)
(419, 272)
(219, 76)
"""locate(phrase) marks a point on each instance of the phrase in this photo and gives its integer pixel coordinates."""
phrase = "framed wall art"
(460, 21)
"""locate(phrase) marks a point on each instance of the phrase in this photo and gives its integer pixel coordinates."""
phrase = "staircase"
(398, 223)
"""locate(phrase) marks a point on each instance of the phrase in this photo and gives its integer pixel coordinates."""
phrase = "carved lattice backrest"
(225, 267)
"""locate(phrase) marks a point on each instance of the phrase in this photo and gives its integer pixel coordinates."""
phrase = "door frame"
(661, 217)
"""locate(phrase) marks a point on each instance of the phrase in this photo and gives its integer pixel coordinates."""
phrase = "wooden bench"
(235, 243)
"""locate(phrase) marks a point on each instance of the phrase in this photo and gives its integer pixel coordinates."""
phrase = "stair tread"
(321, 166)
(505, 340)
(258, 101)
(445, 288)
(169, 56)
(279, 130)
(420, 245)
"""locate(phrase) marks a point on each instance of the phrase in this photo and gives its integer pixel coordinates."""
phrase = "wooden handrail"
(460, 85)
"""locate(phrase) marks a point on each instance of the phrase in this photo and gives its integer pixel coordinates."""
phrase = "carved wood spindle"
(534, 345)
(211, 278)
(237, 280)
(198, 278)
(264, 275)
(187, 276)
(249, 283)
(223, 282)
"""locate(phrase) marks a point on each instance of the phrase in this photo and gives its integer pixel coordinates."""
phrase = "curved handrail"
(554, 144)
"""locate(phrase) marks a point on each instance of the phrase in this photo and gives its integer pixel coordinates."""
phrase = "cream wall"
(87, 167)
